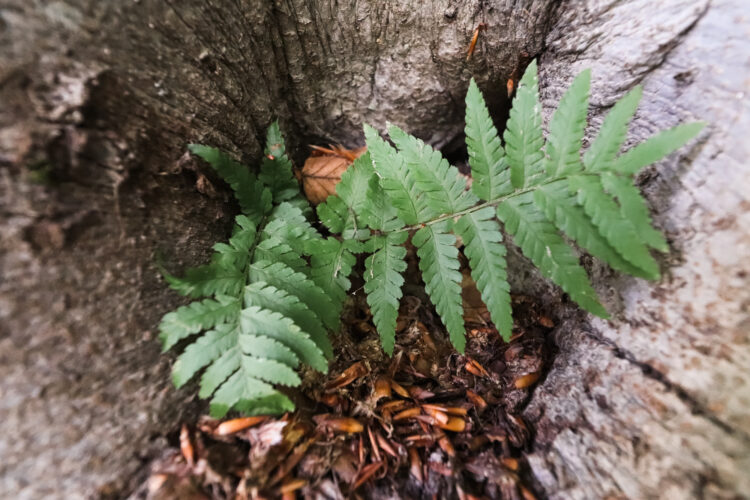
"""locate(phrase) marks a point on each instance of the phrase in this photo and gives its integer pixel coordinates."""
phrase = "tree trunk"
(99, 99)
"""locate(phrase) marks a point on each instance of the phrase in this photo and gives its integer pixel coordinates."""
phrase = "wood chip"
(416, 465)
(238, 424)
(367, 472)
(526, 380)
(454, 424)
(348, 376)
(186, 446)
(399, 389)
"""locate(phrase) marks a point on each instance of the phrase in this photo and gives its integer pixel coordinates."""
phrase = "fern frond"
(482, 239)
(254, 198)
(523, 137)
(258, 322)
(633, 208)
(297, 284)
(619, 232)
(603, 151)
(268, 297)
(396, 179)
(208, 348)
(274, 250)
(379, 214)
(489, 168)
(205, 281)
(440, 183)
(276, 167)
(340, 212)
(438, 261)
(562, 208)
(192, 318)
(332, 264)
(567, 127)
(657, 147)
(383, 282)
(244, 392)
(540, 242)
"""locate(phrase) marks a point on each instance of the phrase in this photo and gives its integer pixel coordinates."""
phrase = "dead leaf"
(323, 168)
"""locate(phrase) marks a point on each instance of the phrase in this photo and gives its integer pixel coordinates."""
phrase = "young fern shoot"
(269, 298)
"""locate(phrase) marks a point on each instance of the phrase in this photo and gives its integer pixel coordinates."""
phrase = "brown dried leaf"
(323, 169)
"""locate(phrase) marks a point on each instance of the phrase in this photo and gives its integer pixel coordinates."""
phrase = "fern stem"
(491, 203)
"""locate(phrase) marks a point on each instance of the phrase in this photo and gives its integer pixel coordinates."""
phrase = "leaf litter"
(424, 423)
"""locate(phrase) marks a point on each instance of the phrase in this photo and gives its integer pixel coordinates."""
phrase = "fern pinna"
(274, 292)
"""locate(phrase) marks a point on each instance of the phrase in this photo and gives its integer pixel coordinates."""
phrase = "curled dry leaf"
(323, 169)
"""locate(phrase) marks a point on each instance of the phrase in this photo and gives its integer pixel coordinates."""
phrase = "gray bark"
(103, 97)
(654, 404)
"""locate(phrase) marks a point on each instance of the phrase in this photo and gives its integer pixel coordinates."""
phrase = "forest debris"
(526, 380)
(382, 389)
(348, 376)
(323, 168)
(477, 400)
(454, 424)
(291, 485)
(339, 424)
(238, 424)
(416, 465)
(367, 472)
(546, 322)
(472, 366)
(399, 389)
(186, 446)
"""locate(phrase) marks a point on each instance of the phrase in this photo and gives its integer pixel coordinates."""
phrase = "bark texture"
(97, 102)
(654, 404)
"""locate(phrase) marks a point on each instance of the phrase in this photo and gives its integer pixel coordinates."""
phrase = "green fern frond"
(566, 129)
(438, 261)
(297, 284)
(441, 184)
(383, 282)
(541, 243)
(657, 147)
(562, 209)
(482, 239)
(619, 231)
(603, 151)
(192, 318)
(633, 208)
(254, 198)
(489, 169)
(276, 167)
(396, 179)
(523, 137)
(268, 297)
(331, 263)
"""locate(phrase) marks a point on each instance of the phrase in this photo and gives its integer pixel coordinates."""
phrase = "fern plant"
(270, 297)
(263, 309)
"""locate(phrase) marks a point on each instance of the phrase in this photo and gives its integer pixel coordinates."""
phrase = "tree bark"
(99, 99)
